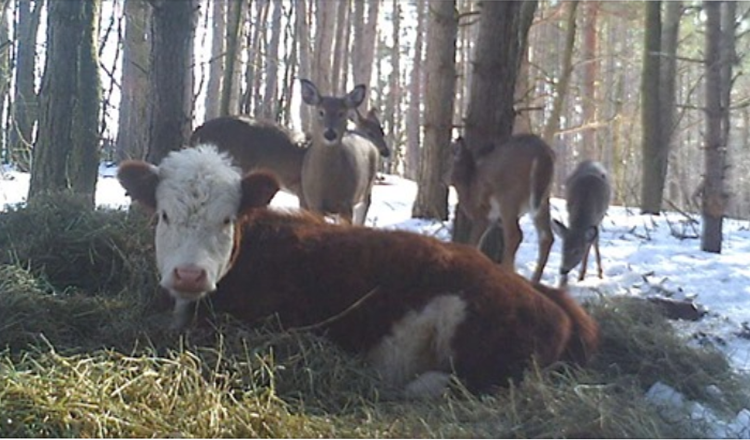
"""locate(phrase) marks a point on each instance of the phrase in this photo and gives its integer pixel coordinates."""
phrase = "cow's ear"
(140, 180)
(257, 190)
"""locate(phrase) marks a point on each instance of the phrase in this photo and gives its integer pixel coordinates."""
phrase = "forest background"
(654, 90)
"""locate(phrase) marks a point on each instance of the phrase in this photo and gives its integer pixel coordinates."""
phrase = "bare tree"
(68, 130)
(270, 103)
(414, 112)
(719, 56)
(653, 158)
(325, 25)
(303, 47)
(171, 79)
(440, 84)
(364, 46)
(25, 100)
(229, 79)
(216, 63)
(132, 139)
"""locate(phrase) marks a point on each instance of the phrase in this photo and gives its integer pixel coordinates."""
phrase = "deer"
(498, 184)
(256, 144)
(340, 165)
(587, 195)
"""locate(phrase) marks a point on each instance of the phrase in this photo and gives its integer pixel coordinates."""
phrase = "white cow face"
(198, 197)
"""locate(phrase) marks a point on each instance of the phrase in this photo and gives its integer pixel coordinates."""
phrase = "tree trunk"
(64, 112)
(718, 58)
(229, 80)
(83, 165)
(216, 64)
(365, 48)
(392, 113)
(270, 103)
(338, 71)
(132, 139)
(304, 49)
(5, 69)
(553, 123)
(440, 84)
(325, 22)
(653, 153)
(590, 76)
(171, 79)
(667, 82)
(414, 112)
(25, 99)
(503, 31)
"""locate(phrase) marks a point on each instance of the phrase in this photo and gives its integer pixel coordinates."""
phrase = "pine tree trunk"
(338, 71)
(553, 123)
(171, 79)
(440, 84)
(303, 48)
(653, 158)
(49, 172)
(325, 22)
(25, 100)
(216, 64)
(132, 139)
(413, 117)
(719, 56)
(83, 165)
(270, 103)
(229, 80)
(590, 77)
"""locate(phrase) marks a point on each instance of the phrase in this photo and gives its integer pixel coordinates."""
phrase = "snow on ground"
(642, 255)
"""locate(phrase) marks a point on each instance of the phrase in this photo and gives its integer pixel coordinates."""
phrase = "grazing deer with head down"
(587, 194)
(501, 183)
(340, 166)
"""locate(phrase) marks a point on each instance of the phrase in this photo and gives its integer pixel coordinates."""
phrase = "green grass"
(88, 354)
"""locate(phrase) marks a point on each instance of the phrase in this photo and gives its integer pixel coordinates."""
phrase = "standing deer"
(502, 183)
(340, 166)
(587, 194)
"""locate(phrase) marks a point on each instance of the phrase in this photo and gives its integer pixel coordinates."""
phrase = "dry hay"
(100, 363)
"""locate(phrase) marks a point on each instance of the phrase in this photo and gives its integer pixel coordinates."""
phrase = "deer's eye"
(321, 113)
(164, 217)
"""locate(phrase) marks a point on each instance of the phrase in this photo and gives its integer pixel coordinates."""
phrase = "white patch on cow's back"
(198, 191)
(420, 344)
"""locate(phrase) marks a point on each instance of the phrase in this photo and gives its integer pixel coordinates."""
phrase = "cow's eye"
(164, 217)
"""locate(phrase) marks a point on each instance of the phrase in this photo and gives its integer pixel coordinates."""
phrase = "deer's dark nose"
(330, 135)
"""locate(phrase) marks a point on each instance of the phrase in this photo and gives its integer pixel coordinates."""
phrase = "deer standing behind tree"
(340, 166)
(587, 193)
(501, 183)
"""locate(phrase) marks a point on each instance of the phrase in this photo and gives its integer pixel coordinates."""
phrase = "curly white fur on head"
(197, 200)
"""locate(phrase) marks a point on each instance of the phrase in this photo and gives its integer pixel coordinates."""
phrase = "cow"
(418, 309)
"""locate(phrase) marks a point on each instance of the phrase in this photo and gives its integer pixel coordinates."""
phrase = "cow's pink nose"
(190, 279)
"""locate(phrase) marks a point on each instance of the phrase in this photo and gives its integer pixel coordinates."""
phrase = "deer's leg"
(598, 257)
(584, 263)
(478, 228)
(542, 223)
(512, 236)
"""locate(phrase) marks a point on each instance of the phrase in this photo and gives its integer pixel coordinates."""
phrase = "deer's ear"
(310, 94)
(354, 98)
(560, 229)
(257, 190)
(140, 180)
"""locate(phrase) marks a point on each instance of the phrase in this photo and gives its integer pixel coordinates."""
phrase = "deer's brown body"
(254, 145)
(501, 183)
